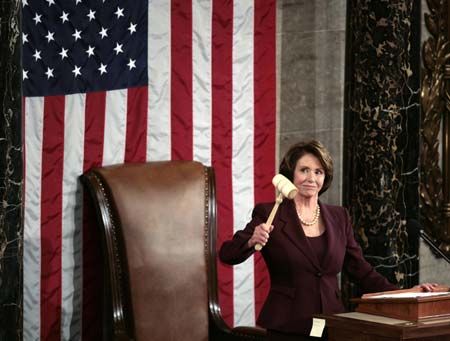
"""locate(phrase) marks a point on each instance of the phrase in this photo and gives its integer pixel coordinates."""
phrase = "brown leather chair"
(158, 226)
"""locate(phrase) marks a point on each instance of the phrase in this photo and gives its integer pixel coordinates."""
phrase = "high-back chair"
(158, 227)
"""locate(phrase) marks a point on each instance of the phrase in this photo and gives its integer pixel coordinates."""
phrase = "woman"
(308, 244)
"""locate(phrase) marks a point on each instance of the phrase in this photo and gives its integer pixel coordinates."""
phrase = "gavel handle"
(269, 221)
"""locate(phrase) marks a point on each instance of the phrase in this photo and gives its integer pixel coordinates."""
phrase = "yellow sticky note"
(317, 327)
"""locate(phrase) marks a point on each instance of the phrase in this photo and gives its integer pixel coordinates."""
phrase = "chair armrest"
(249, 333)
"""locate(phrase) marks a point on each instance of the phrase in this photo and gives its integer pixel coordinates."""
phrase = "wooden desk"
(365, 327)
(405, 304)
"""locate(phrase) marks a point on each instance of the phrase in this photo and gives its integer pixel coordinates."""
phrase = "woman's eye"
(319, 172)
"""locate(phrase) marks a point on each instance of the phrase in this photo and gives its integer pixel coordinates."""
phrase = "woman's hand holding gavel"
(260, 235)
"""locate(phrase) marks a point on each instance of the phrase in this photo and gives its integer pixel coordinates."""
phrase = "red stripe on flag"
(94, 129)
(222, 148)
(181, 80)
(136, 138)
(92, 257)
(265, 124)
(51, 215)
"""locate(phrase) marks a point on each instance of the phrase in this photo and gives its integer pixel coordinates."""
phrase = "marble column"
(382, 120)
(11, 183)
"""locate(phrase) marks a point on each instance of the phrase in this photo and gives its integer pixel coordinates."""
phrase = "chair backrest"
(157, 219)
(158, 231)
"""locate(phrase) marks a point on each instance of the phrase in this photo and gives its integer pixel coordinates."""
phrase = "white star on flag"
(103, 32)
(49, 36)
(77, 34)
(64, 17)
(90, 51)
(119, 12)
(132, 64)
(77, 71)
(132, 28)
(63, 53)
(49, 73)
(91, 15)
(37, 19)
(37, 55)
(102, 69)
(118, 48)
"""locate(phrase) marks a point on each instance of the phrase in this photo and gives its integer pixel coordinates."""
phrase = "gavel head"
(284, 186)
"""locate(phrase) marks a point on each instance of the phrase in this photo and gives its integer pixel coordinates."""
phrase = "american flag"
(109, 81)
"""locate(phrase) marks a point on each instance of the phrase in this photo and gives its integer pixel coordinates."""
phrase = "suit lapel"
(295, 233)
(330, 226)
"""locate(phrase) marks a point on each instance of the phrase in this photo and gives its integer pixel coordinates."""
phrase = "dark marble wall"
(382, 134)
(10, 172)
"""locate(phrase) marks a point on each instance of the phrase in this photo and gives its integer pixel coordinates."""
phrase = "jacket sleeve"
(236, 251)
(359, 270)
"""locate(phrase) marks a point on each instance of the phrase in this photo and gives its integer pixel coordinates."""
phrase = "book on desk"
(408, 304)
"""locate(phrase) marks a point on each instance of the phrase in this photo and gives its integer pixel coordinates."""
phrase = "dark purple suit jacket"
(300, 285)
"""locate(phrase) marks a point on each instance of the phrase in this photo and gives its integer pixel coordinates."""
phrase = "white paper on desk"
(317, 327)
(411, 294)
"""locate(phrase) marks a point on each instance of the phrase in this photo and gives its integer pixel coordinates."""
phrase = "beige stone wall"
(431, 268)
(311, 59)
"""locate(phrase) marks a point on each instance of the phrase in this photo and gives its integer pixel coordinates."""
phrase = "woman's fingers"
(261, 233)
(428, 286)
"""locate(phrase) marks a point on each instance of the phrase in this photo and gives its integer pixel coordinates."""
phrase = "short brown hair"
(296, 151)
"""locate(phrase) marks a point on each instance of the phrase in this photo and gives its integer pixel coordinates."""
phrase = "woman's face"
(309, 176)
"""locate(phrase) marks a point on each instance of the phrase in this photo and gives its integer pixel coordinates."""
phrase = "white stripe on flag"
(71, 253)
(115, 127)
(34, 108)
(201, 56)
(158, 54)
(242, 164)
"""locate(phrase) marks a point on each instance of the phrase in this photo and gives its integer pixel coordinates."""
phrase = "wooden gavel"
(286, 189)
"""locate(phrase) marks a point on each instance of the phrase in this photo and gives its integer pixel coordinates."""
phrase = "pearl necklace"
(312, 222)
